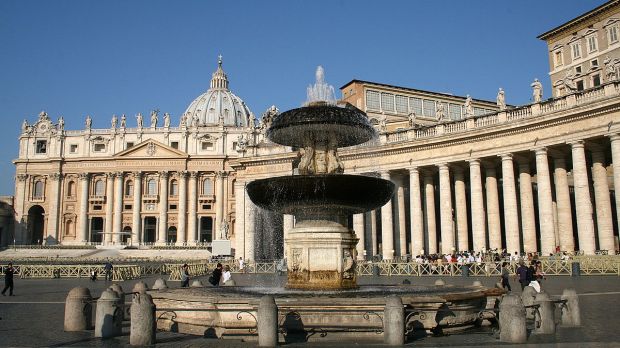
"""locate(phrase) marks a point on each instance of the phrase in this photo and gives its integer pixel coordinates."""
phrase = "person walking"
(8, 279)
(185, 276)
(107, 267)
(505, 276)
(215, 277)
(522, 275)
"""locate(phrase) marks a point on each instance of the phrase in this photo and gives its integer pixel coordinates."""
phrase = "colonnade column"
(358, 227)
(83, 219)
(402, 220)
(511, 214)
(387, 229)
(118, 207)
(431, 225)
(493, 218)
(250, 211)
(239, 219)
(137, 209)
(477, 205)
(460, 200)
(615, 161)
(373, 231)
(163, 207)
(192, 233)
(109, 208)
(545, 202)
(528, 214)
(219, 204)
(583, 204)
(52, 229)
(181, 235)
(20, 214)
(603, 202)
(562, 197)
(445, 206)
(415, 206)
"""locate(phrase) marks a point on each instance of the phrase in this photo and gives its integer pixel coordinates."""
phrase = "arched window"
(151, 187)
(129, 188)
(207, 187)
(99, 188)
(38, 189)
(71, 189)
(174, 188)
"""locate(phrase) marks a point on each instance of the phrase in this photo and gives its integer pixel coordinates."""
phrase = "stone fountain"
(321, 248)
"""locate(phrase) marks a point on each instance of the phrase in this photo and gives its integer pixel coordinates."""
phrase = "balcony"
(150, 198)
(96, 199)
(206, 198)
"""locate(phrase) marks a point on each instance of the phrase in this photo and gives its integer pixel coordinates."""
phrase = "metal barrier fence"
(119, 273)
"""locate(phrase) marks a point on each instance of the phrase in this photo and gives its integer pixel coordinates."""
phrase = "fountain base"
(321, 256)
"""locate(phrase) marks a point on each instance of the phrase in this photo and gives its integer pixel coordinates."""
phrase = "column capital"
(443, 166)
(506, 156)
(21, 177)
(193, 174)
(540, 151)
(182, 174)
(137, 175)
(221, 174)
(83, 176)
(109, 175)
(385, 174)
(119, 175)
(576, 144)
(613, 137)
(414, 169)
(474, 162)
(164, 174)
(55, 176)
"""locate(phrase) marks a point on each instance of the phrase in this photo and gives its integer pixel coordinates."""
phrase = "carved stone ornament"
(164, 174)
(22, 177)
(83, 176)
(151, 149)
(55, 176)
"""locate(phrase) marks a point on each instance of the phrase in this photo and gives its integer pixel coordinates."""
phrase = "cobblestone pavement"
(34, 316)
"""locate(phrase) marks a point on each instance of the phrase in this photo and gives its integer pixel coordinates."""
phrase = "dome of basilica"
(218, 105)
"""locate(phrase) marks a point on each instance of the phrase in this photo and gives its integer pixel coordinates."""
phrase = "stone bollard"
(78, 310)
(140, 287)
(160, 284)
(197, 284)
(121, 295)
(571, 315)
(267, 322)
(108, 318)
(394, 321)
(440, 282)
(477, 283)
(547, 313)
(512, 320)
(527, 296)
(143, 323)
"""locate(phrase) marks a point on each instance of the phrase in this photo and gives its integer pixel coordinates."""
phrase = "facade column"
(528, 214)
(373, 232)
(460, 201)
(136, 226)
(615, 161)
(52, 226)
(402, 219)
(288, 222)
(387, 226)
(477, 206)
(181, 232)
(493, 217)
(583, 204)
(545, 202)
(192, 232)
(604, 219)
(20, 214)
(83, 219)
(415, 213)
(109, 209)
(118, 208)
(358, 227)
(250, 211)
(445, 207)
(239, 219)
(163, 207)
(431, 224)
(511, 214)
(562, 198)
(219, 204)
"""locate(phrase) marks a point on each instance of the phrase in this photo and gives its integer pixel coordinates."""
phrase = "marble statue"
(61, 123)
(610, 69)
(183, 122)
(411, 118)
(441, 112)
(501, 99)
(252, 122)
(25, 126)
(43, 116)
(569, 82)
(469, 108)
(537, 91)
(140, 120)
(166, 120)
(195, 121)
(224, 228)
(89, 122)
(154, 119)
(114, 121)
(123, 121)
(383, 124)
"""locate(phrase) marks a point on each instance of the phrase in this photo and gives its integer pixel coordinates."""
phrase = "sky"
(99, 58)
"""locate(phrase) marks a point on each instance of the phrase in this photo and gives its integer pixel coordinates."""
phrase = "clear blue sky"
(74, 58)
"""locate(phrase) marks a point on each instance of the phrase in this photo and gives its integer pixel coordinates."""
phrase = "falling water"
(320, 91)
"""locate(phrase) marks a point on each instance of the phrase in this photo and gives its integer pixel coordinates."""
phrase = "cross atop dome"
(219, 80)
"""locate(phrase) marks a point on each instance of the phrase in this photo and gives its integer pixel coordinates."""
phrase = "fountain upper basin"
(324, 194)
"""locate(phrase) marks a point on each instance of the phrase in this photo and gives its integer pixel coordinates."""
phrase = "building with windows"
(470, 175)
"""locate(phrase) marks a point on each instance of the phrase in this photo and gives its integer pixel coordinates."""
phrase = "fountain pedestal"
(321, 256)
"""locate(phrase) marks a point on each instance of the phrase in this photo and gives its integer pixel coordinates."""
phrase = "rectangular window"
(73, 148)
(41, 146)
(594, 63)
(96, 207)
(174, 144)
(576, 49)
(129, 145)
(612, 34)
(401, 104)
(557, 56)
(415, 106)
(387, 102)
(99, 147)
(207, 145)
(206, 206)
(128, 206)
(596, 80)
(592, 44)
(173, 207)
(373, 100)
(480, 111)
(578, 70)
(455, 112)
(580, 85)
(429, 108)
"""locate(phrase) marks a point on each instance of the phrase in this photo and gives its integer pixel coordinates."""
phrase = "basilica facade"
(470, 174)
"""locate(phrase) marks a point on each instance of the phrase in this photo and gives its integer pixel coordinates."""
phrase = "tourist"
(215, 277)
(505, 275)
(522, 274)
(8, 279)
(226, 276)
(241, 265)
(93, 275)
(107, 267)
(185, 276)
